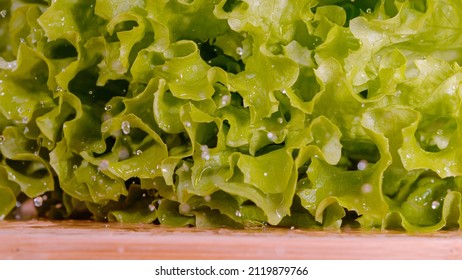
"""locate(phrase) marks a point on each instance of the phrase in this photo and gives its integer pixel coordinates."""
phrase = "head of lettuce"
(306, 113)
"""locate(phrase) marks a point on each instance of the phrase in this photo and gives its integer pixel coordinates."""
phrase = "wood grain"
(90, 240)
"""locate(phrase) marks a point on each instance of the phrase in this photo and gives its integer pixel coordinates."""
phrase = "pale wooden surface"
(86, 240)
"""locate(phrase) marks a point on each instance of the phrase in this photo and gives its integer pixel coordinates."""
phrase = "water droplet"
(205, 152)
(3, 13)
(108, 107)
(365, 207)
(18, 204)
(362, 164)
(447, 169)
(366, 188)
(187, 124)
(75, 167)
(265, 174)
(441, 141)
(435, 204)
(169, 53)
(90, 92)
(2, 139)
(126, 127)
(368, 10)
(207, 198)
(38, 201)
(239, 51)
(185, 208)
(225, 100)
(271, 136)
(205, 155)
(138, 152)
(104, 164)
(93, 178)
(238, 213)
(292, 228)
(151, 207)
(250, 76)
(11, 65)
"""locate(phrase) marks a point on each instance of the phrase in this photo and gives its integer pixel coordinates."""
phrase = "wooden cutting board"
(90, 240)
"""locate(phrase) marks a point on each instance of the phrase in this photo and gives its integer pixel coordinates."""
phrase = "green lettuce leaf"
(225, 113)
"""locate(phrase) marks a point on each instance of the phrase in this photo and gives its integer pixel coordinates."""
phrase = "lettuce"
(234, 113)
